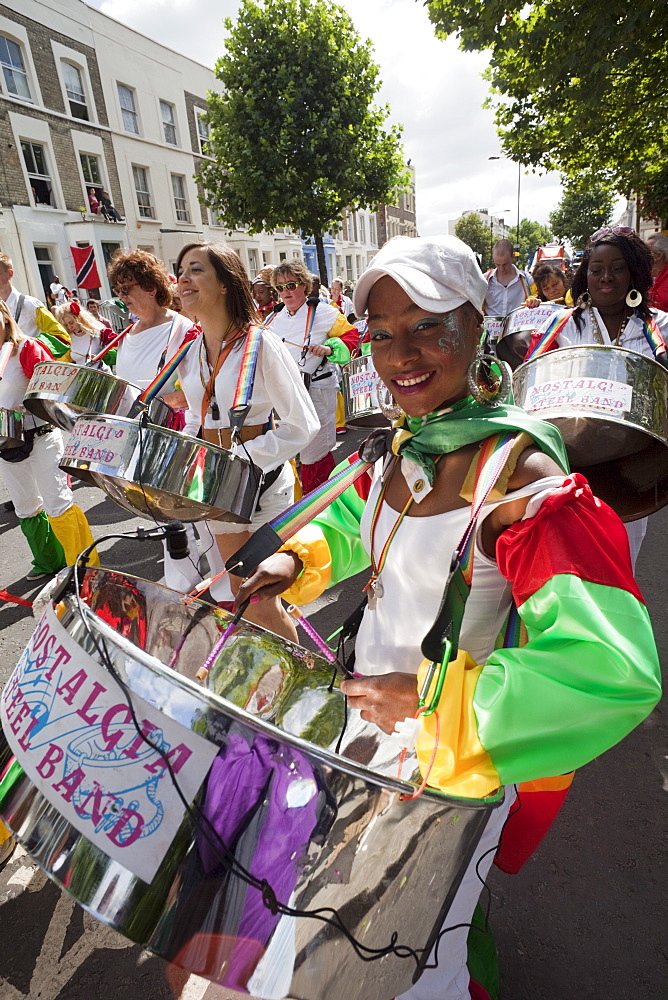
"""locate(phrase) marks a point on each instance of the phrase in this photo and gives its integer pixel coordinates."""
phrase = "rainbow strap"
(494, 454)
(549, 335)
(301, 513)
(170, 367)
(653, 337)
(310, 320)
(246, 380)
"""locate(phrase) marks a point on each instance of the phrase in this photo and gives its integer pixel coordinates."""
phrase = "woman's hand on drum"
(272, 577)
(532, 302)
(320, 350)
(177, 400)
(383, 700)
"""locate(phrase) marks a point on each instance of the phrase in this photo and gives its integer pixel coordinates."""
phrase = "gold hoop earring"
(488, 379)
(633, 298)
(584, 301)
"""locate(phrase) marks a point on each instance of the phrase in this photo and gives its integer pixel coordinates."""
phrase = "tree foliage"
(582, 85)
(586, 205)
(473, 231)
(295, 135)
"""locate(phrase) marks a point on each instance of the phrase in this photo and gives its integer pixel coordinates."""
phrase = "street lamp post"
(491, 230)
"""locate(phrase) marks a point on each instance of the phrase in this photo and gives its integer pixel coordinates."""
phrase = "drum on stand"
(280, 814)
(361, 384)
(162, 474)
(11, 428)
(517, 329)
(611, 406)
(59, 393)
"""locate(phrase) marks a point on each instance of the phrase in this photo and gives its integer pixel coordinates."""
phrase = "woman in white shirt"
(143, 283)
(215, 293)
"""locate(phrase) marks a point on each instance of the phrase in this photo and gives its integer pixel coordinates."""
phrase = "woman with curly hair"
(88, 335)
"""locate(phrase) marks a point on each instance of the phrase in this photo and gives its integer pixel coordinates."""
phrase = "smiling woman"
(505, 716)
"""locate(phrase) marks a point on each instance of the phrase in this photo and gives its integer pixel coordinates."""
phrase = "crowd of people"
(528, 712)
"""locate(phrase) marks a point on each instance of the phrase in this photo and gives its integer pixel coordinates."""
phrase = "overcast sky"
(432, 88)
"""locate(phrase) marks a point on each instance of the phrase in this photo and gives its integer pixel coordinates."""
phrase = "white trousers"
(450, 979)
(183, 574)
(37, 483)
(323, 397)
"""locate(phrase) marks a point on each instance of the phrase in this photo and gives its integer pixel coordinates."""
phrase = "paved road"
(585, 919)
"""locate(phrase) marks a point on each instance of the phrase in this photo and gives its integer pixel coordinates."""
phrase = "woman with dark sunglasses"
(611, 294)
(319, 338)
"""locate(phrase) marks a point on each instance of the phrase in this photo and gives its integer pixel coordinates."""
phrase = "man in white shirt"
(58, 291)
(31, 315)
(507, 288)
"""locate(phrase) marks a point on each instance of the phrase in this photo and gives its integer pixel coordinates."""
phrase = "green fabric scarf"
(465, 423)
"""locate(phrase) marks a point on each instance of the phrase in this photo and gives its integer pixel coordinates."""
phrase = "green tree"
(586, 205)
(532, 236)
(473, 231)
(577, 84)
(295, 135)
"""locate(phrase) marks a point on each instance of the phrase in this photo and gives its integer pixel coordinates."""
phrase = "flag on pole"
(86, 268)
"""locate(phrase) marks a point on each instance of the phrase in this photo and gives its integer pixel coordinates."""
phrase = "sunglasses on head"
(289, 286)
(615, 230)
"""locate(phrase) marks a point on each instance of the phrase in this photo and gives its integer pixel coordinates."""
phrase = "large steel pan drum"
(60, 392)
(324, 829)
(361, 383)
(611, 406)
(517, 329)
(11, 428)
(162, 474)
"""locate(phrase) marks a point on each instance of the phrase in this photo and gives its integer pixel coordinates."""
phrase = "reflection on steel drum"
(493, 327)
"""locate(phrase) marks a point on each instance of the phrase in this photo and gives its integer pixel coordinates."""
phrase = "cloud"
(433, 89)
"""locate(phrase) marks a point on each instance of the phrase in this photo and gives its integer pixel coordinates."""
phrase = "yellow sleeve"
(312, 548)
(47, 323)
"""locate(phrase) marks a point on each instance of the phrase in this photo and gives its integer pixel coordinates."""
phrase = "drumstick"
(292, 344)
(206, 666)
(310, 631)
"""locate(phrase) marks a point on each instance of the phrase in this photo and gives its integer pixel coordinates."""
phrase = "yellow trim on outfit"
(312, 548)
(73, 532)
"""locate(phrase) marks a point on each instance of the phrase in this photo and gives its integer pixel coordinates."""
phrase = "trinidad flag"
(84, 262)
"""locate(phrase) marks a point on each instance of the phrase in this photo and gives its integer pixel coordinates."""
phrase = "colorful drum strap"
(170, 367)
(243, 393)
(653, 337)
(549, 335)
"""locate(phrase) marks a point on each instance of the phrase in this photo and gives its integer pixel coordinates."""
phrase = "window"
(373, 238)
(358, 261)
(35, 159)
(203, 133)
(282, 256)
(143, 192)
(362, 229)
(90, 168)
(74, 88)
(46, 269)
(13, 69)
(216, 219)
(180, 202)
(168, 122)
(349, 267)
(126, 98)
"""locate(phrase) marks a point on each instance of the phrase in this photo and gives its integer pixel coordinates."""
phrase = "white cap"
(438, 273)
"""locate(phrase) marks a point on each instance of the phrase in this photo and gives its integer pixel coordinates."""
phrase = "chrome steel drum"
(611, 406)
(324, 829)
(60, 392)
(517, 329)
(11, 428)
(360, 393)
(493, 330)
(162, 474)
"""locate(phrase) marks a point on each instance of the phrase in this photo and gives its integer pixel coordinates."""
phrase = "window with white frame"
(168, 114)
(14, 69)
(349, 267)
(129, 114)
(143, 192)
(74, 88)
(216, 219)
(362, 229)
(45, 266)
(36, 162)
(373, 237)
(180, 200)
(252, 261)
(203, 132)
(90, 168)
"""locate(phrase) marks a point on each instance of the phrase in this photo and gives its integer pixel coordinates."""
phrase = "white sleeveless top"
(413, 580)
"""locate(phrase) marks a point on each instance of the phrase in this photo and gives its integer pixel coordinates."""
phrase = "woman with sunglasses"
(611, 294)
(143, 284)
(216, 294)
(507, 715)
(320, 339)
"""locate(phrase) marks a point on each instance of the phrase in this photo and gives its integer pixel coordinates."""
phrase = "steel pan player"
(588, 673)
(611, 295)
